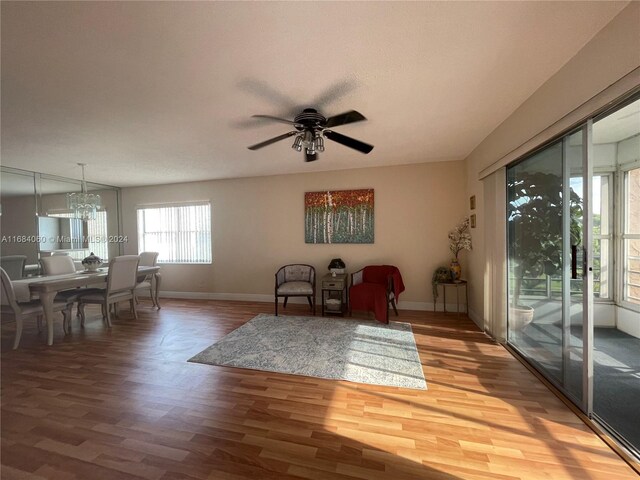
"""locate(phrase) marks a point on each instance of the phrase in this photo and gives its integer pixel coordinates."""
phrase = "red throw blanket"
(371, 294)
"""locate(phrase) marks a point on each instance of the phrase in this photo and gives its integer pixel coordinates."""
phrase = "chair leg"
(310, 303)
(16, 341)
(153, 298)
(64, 322)
(69, 315)
(108, 315)
(393, 304)
(81, 312)
(276, 306)
(285, 302)
(133, 307)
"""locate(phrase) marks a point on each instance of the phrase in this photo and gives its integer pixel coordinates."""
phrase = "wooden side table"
(457, 285)
(334, 294)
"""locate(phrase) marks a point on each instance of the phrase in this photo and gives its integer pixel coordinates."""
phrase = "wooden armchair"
(374, 288)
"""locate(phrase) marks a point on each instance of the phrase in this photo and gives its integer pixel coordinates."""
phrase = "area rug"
(332, 348)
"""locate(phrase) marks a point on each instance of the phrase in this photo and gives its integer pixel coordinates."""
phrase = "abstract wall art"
(339, 216)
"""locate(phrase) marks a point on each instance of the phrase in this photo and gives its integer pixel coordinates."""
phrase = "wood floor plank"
(124, 403)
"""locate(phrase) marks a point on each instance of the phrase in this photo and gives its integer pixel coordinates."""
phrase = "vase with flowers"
(459, 240)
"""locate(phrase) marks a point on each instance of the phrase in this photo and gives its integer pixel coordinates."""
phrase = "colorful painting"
(341, 216)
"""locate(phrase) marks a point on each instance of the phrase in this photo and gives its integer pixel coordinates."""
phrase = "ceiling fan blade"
(277, 119)
(348, 141)
(272, 140)
(347, 117)
(310, 157)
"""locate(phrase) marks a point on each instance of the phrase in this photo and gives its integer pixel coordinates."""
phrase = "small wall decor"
(339, 216)
(472, 221)
(472, 202)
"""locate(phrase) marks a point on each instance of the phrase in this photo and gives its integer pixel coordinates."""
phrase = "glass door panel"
(616, 330)
(573, 273)
(535, 259)
(545, 223)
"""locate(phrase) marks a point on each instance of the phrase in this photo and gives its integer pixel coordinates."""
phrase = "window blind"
(180, 233)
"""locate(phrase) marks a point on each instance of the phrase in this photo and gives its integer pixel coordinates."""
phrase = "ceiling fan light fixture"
(297, 143)
(308, 137)
(319, 143)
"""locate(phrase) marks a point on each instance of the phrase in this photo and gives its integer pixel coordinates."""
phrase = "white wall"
(258, 226)
(610, 56)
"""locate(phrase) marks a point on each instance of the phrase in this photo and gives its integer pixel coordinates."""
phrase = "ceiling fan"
(311, 128)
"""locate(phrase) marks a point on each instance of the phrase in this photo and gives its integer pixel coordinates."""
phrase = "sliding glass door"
(573, 238)
(545, 225)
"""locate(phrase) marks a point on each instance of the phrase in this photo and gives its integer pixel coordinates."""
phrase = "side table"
(334, 294)
(457, 285)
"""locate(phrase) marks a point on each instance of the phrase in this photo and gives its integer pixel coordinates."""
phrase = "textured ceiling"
(151, 93)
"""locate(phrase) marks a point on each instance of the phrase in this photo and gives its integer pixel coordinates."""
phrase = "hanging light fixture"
(83, 205)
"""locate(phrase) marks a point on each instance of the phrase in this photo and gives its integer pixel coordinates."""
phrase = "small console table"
(457, 285)
(334, 294)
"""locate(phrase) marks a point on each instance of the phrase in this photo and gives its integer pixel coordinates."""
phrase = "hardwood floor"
(124, 403)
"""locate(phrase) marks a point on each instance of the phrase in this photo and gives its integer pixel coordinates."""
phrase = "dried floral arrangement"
(460, 238)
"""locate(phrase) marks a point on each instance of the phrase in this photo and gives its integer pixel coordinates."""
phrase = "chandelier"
(83, 205)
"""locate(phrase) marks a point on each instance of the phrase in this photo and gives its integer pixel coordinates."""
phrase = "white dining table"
(46, 287)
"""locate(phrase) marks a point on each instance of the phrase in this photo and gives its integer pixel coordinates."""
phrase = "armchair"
(374, 288)
(296, 280)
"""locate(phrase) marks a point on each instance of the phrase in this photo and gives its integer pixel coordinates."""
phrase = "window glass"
(181, 234)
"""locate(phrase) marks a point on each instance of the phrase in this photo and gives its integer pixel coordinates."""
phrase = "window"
(603, 235)
(631, 237)
(180, 233)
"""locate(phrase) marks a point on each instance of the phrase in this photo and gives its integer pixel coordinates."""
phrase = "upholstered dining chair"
(60, 265)
(21, 310)
(121, 284)
(296, 280)
(13, 265)
(147, 282)
(374, 288)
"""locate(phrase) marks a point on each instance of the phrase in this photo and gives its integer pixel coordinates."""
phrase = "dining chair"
(121, 284)
(60, 265)
(13, 265)
(148, 259)
(21, 310)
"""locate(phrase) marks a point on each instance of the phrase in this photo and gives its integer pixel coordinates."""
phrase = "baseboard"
(257, 297)
(477, 319)
(239, 297)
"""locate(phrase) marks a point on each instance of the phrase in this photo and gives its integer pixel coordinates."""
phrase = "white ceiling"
(151, 93)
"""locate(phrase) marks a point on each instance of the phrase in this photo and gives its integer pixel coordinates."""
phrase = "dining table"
(47, 286)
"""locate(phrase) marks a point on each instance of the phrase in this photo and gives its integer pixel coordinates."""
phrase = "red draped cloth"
(371, 294)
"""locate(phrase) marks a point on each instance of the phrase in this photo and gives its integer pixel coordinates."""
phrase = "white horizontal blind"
(98, 235)
(180, 233)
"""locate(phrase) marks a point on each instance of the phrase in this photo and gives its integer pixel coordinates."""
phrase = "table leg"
(435, 296)
(157, 278)
(46, 298)
(466, 298)
(444, 298)
(457, 301)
